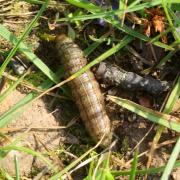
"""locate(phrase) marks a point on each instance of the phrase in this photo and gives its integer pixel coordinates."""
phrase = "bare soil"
(32, 129)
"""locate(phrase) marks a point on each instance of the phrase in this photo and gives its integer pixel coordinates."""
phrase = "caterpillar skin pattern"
(85, 91)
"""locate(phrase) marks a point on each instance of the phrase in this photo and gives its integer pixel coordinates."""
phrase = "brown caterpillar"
(85, 91)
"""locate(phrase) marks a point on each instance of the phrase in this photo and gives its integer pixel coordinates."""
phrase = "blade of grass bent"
(174, 32)
(12, 87)
(75, 162)
(161, 62)
(153, 170)
(152, 115)
(25, 33)
(175, 93)
(171, 161)
(31, 56)
(168, 108)
(29, 151)
(134, 166)
(17, 109)
(94, 45)
(6, 175)
(88, 5)
(16, 162)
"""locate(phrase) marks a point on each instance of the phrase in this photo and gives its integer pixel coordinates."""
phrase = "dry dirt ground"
(43, 140)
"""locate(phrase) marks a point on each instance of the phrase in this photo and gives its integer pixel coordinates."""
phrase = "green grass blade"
(134, 166)
(104, 171)
(152, 115)
(29, 151)
(174, 32)
(6, 175)
(31, 56)
(85, 4)
(74, 163)
(16, 168)
(175, 93)
(17, 109)
(153, 170)
(91, 167)
(126, 40)
(167, 109)
(25, 33)
(133, 3)
(176, 19)
(136, 34)
(34, 1)
(88, 5)
(171, 161)
(161, 62)
(12, 87)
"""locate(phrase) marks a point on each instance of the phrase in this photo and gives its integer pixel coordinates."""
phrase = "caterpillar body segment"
(85, 90)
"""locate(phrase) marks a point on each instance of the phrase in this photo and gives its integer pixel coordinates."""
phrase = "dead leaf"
(156, 22)
(147, 28)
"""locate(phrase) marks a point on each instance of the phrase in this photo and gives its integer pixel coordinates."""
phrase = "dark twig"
(114, 75)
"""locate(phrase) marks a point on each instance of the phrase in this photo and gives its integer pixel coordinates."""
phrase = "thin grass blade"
(16, 167)
(171, 161)
(12, 87)
(17, 109)
(31, 56)
(152, 115)
(134, 166)
(153, 170)
(74, 163)
(29, 151)
(175, 93)
(103, 172)
(25, 33)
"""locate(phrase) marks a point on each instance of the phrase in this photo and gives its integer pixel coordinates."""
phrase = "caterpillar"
(85, 91)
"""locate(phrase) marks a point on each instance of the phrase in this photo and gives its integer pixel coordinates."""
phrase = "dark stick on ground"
(115, 76)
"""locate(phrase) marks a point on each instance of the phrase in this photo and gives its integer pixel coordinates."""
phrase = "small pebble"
(17, 67)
